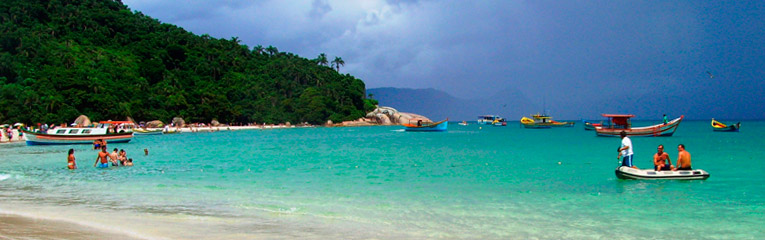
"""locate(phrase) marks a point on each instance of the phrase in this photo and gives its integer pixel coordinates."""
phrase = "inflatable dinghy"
(623, 172)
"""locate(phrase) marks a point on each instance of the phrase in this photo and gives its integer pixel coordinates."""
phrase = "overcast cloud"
(565, 53)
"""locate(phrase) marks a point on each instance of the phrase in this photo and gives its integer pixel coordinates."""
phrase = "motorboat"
(624, 172)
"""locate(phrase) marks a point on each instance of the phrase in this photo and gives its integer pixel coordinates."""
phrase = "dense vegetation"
(60, 59)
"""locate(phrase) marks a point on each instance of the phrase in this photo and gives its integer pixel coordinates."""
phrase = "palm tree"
(337, 62)
(272, 50)
(259, 49)
(322, 59)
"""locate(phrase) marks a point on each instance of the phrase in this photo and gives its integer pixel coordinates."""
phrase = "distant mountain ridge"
(436, 105)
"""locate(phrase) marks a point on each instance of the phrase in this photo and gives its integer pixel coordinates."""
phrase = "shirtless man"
(114, 156)
(683, 159)
(103, 157)
(661, 161)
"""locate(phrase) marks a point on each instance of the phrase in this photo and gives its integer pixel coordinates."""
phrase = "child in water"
(129, 162)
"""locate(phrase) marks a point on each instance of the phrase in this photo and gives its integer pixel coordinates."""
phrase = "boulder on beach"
(215, 123)
(178, 121)
(82, 120)
(155, 124)
(390, 116)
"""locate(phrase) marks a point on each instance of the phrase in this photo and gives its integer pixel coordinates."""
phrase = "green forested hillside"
(60, 59)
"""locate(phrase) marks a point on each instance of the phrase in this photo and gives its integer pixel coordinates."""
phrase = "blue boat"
(421, 126)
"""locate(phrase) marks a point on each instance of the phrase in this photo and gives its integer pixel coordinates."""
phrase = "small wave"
(4, 176)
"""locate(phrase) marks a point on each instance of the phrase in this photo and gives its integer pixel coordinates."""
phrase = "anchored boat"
(74, 135)
(621, 122)
(423, 126)
(721, 127)
(495, 120)
(543, 121)
(589, 126)
(623, 172)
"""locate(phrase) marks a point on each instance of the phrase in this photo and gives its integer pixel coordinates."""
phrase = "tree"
(259, 49)
(322, 59)
(272, 50)
(337, 62)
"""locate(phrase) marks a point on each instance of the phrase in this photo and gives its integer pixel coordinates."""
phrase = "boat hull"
(588, 126)
(730, 128)
(435, 127)
(623, 172)
(147, 132)
(53, 139)
(658, 130)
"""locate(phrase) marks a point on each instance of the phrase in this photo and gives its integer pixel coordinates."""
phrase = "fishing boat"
(721, 127)
(589, 126)
(77, 135)
(621, 122)
(423, 126)
(495, 120)
(139, 131)
(624, 172)
(463, 123)
(543, 121)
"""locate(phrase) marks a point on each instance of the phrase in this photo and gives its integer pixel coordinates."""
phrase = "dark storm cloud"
(567, 54)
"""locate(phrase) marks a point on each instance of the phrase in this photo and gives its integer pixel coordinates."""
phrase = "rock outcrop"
(385, 116)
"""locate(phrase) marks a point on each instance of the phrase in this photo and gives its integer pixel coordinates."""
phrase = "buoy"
(558, 163)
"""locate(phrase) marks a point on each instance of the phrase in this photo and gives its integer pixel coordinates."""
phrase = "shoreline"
(19, 226)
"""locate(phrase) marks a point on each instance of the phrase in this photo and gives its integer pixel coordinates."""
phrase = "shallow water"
(380, 182)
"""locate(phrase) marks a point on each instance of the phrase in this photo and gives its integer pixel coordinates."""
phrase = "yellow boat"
(543, 121)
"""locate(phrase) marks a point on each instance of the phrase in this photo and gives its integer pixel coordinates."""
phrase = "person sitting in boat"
(661, 161)
(683, 159)
(626, 151)
(665, 119)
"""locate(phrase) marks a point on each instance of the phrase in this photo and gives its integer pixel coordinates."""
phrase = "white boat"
(78, 135)
(623, 172)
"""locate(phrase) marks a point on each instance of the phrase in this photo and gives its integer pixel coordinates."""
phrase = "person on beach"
(122, 157)
(103, 158)
(625, 151)
(114, 157)
(71, 164)
(683, 159)
(661, 161)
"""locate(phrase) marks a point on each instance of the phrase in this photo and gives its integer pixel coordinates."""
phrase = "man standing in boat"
(683, 158)
(625, 151)
(661, 161)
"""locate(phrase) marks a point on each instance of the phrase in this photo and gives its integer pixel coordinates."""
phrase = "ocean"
(472, 182)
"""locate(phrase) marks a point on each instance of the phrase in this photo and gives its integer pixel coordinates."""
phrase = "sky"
(576, 59)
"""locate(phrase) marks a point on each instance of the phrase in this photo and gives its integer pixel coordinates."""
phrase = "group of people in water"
(661, 160)
(104, 158)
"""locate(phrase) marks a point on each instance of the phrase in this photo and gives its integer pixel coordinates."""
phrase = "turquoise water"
(471, 182)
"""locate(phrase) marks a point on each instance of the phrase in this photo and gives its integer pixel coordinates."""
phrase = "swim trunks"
(688, 168)
(627, 161)
(103, 165)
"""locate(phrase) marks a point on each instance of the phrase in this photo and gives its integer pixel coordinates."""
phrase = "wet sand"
(20, 227)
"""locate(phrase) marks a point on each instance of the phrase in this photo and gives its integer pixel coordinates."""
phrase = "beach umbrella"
(18, 124)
